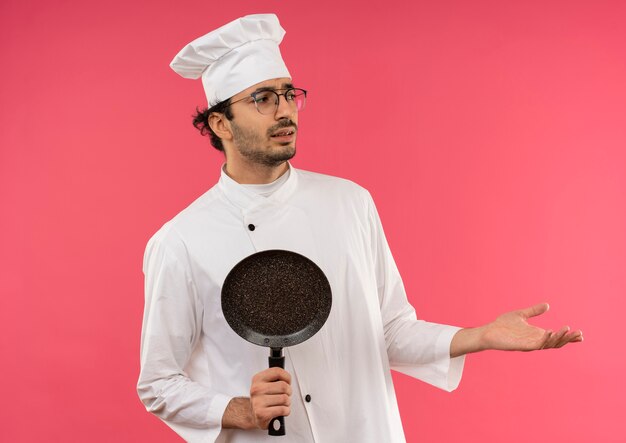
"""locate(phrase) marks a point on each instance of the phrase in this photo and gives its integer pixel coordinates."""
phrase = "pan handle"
(276, 360)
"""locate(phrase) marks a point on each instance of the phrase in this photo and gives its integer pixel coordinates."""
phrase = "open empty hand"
(512, 332)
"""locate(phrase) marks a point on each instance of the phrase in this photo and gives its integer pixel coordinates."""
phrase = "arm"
(512, 332)
(171, 331)
(415, 347)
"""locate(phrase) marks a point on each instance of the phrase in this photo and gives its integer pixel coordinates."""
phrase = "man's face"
(266, 139)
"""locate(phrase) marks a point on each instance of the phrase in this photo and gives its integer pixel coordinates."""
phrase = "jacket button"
(307, 398)
(251, 227)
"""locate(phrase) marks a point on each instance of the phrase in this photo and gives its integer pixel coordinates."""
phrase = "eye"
(262, 97)
(291, 94)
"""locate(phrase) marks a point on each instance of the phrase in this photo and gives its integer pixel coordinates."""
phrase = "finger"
(546, 338)
(268, 414)
(272, 374)
(275, 374)
(535, 310)
(572, 337)
(558, 338)
(267, 401)
(269, 388)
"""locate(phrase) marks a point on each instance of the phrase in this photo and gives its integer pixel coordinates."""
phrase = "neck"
(255, 174)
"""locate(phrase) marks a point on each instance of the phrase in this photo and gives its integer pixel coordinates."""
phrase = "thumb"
(535, 310)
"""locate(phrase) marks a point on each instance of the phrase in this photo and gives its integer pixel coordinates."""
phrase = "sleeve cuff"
(217, 408)
(442, 371)
(451, 368)
(210, 434)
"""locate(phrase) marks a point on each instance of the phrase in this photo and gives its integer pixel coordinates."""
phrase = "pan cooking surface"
(276, 298)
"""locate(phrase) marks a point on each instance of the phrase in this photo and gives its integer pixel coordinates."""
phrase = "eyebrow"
(267, 88)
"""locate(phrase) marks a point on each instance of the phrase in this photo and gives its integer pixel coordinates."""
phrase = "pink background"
(492, 135)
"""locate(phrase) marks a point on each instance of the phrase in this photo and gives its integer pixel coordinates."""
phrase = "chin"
(283, 156)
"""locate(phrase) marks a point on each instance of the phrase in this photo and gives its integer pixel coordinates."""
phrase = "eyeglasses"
(266, 101)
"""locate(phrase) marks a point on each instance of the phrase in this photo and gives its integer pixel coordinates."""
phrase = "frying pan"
(276, 298)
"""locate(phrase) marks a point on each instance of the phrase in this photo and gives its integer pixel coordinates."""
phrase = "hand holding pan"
(276, 298)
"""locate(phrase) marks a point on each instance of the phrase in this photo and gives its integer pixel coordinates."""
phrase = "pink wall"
(492, 135)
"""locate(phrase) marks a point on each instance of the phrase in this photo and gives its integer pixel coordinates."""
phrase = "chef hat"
(234, 57)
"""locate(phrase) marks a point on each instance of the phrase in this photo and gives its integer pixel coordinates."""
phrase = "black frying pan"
(276, 298)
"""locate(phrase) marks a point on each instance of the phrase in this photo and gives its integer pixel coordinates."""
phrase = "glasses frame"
(284, 94)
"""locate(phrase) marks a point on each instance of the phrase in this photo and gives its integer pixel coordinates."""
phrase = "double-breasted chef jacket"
(192, 363)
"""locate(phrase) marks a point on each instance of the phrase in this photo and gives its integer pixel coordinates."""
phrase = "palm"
(512, 332)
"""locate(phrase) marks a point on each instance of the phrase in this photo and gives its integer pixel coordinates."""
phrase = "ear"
(220, 125)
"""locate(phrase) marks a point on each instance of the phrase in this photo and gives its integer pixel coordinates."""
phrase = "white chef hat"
(234, 57)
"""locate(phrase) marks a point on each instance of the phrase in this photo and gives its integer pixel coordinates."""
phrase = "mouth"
(285, 133)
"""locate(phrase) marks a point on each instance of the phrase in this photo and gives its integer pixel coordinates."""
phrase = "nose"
(284, 109)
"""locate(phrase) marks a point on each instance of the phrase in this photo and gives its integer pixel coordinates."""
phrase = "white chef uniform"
(192, 363)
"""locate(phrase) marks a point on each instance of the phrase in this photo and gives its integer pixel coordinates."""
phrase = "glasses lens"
(297, 96)
(266, 101)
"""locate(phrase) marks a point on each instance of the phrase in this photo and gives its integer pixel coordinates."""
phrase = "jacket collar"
(247, 200)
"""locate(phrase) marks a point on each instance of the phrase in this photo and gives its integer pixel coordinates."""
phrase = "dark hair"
(201, 121)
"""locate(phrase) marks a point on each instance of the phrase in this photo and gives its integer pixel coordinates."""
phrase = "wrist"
(238, 414)
(468, 340)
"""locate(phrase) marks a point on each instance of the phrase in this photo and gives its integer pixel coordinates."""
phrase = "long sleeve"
(415, 347)
(171, 329)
